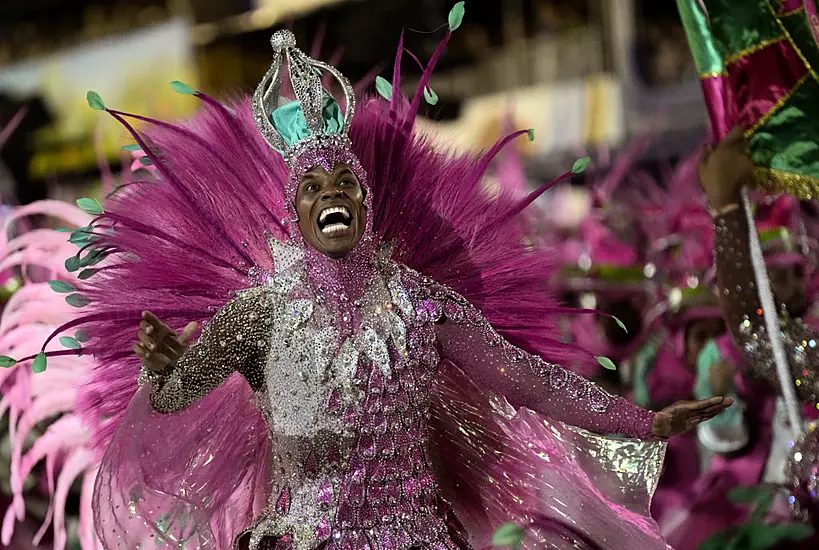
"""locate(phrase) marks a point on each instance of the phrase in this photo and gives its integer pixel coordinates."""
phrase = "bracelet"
(716, 213)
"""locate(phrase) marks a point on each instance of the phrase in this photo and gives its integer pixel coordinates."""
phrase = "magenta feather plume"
(186, 239)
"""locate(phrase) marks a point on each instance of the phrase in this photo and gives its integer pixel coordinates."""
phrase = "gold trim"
(752, 50)
(778, 105)
(793, 12)
(715, 74)
(800, 186)
(793, 44)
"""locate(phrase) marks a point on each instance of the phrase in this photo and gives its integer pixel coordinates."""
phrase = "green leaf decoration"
(7, 362)
(82, 335)
(384, 87)
(132, 147)
(40, 363)
(93, 258)
(430, 96)
(182, 88)
(456, 15)
(63, 230)
(748, 494)
(62, 287)
(620, 324)
(82, 236)
(531, 132)
(718, 541)
(77, 300)
(763, 506)
(762, 537)
(580, 165)
(73, 264)
(95, 101)
(86, 274)
(606, 363)
(70, 343)
(90, 206)
(145, 161)
(81, 240)
(508, 535)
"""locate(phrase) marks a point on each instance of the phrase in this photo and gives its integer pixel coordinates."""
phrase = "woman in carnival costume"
(352, 396)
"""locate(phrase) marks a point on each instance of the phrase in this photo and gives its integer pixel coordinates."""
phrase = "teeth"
(334, 210)
(334, 228)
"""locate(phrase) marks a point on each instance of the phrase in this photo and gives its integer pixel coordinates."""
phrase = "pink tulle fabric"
(550, 470)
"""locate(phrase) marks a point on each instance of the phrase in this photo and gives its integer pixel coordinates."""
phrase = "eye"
(312, 188)
(345, 183)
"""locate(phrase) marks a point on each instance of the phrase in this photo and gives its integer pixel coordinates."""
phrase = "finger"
(713, 411)
(160, 361)
(718, 407)
(171, 349)
(160, 328)
(156, 362)
(148, 341)
(188, 332)
(708, 415)
(146, 326)
(139, 350)
(704, 404)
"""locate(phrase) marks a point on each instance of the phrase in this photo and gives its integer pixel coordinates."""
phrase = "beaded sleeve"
(235, 340)
(467, 339)
(742, 311)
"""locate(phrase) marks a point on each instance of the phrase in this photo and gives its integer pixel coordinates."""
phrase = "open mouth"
(334, 219)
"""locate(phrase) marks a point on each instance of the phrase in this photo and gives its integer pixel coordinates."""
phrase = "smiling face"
(330, 206)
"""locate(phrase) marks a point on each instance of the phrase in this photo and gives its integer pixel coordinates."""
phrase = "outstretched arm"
(233, 341)
(529, 381)
(723, 172)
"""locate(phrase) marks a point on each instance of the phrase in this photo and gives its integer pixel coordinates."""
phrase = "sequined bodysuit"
(346, 399)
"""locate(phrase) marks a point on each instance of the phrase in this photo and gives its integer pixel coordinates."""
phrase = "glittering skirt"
(198, 478)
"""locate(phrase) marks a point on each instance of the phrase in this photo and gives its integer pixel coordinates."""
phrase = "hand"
(725, 169)
(159, 346)
(682, 416)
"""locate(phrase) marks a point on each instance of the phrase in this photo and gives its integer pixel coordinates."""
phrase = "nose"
(330, 194)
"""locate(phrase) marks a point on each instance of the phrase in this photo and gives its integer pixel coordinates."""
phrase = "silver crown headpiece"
(305, 78)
